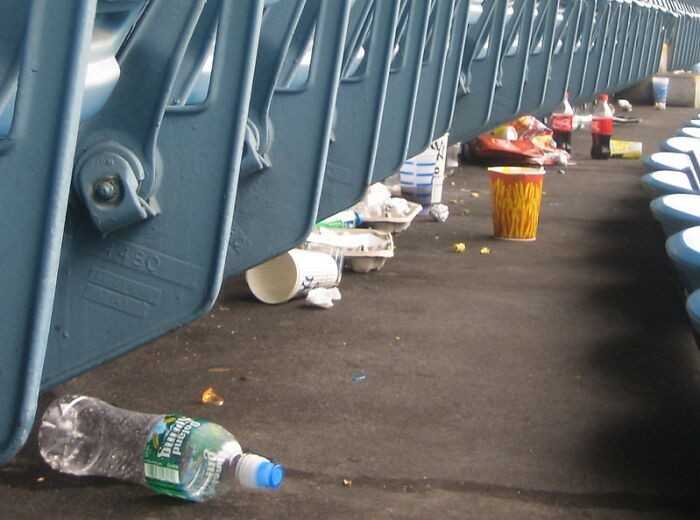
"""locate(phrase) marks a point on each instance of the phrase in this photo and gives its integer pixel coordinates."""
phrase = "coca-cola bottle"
(562, 123)
(602, 128)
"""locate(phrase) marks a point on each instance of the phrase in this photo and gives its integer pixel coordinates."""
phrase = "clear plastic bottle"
(174, 455)
(347, 219)
(601, 128)
(562, 123)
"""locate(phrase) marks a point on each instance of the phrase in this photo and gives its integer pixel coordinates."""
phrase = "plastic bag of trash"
(523, 141)
(372, 204)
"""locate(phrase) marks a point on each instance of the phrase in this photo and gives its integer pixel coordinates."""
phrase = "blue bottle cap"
(269, 475)
(358, 219)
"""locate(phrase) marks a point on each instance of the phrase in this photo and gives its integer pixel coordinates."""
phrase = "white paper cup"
(291, 275)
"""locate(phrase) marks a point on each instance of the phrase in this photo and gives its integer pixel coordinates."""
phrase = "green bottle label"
(174, 437)
(333, 224)
(163, 454)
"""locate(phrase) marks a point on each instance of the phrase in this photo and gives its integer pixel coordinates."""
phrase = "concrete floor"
(556, 379)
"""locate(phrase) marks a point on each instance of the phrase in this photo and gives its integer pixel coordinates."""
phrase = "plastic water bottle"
(174, 455)
(602, 128)
(562, 123)
(347, 219)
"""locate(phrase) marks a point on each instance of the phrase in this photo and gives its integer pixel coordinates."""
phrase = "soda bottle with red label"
(602, 128)
(562, 123)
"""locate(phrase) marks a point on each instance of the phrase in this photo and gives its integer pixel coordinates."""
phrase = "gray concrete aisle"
(557, 379)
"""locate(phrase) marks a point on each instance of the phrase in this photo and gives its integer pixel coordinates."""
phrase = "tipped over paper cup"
(292, 275)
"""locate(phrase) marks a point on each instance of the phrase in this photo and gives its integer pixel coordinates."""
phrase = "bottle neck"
(229, 468)
(256, 472)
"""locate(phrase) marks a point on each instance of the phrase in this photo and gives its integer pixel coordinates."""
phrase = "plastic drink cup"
(660, 92)
(423, 175)
(625, 149)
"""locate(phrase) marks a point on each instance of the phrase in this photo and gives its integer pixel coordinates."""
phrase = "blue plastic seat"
(591, 24)
(403, 90)
(551, 54)
(677, 212)
(666, 182)
(464, 11)
(635, 33)
(111, 26)
(602, 41)
(430, 84)
(682, 30)
(119, 287)
(673, 172)
(675, 161)
(480, 70)
(514, 59)
(36, 161)
(652, 33)
(689, 131)
(692, 307)
(683, 249)
(289, 130)
(518, 60)
(680, 144)
(360, 104)
(282, 110)
(611, 47)
(566, 33)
